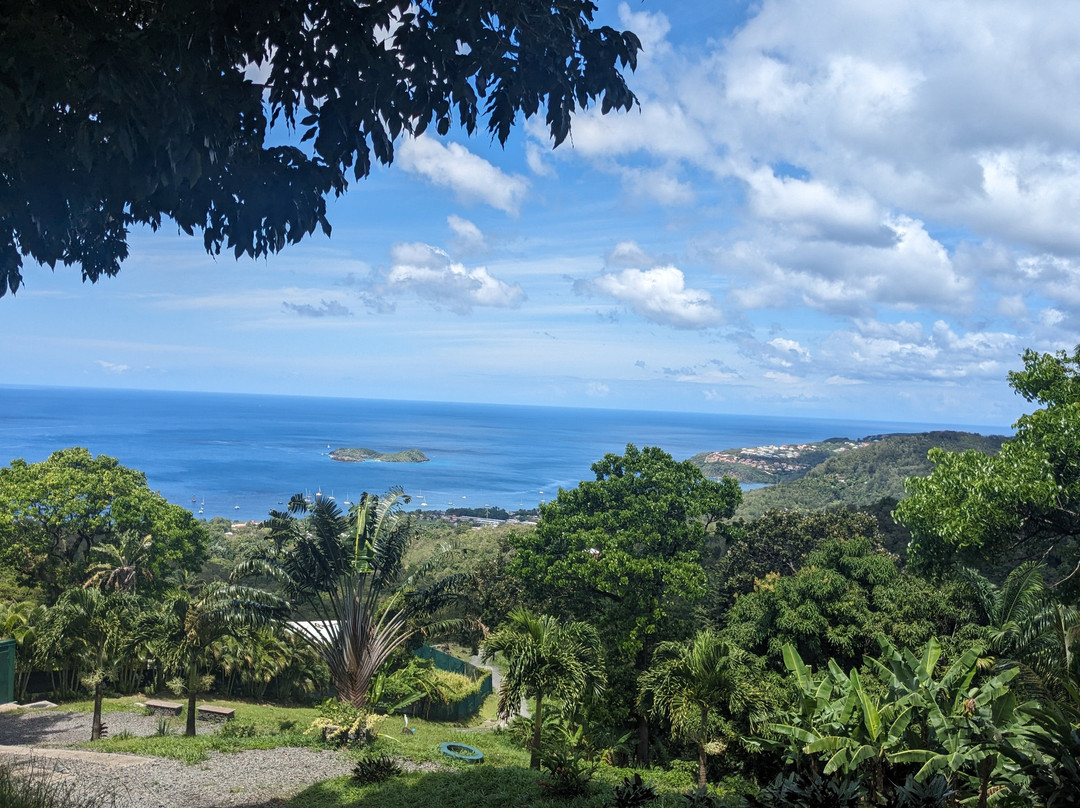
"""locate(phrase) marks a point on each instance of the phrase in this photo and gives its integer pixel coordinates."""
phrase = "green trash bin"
(7, 671)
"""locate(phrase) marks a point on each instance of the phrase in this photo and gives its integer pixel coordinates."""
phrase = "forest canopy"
(133, 112)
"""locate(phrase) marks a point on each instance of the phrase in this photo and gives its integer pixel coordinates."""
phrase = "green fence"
(460, 710)
(7, 671)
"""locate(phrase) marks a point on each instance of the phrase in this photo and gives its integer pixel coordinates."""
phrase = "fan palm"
(348, 572)
(546, 659)
(688, 681)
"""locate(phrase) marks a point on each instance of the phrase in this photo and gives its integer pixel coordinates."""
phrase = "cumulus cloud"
(430, 274)
(853, 279)
(659, 295)
(898, 157)
(326, 308)
(471, 177)
(113, 367)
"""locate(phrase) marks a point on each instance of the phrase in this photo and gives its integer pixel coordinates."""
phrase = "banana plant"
(840, 720)
(965, 725)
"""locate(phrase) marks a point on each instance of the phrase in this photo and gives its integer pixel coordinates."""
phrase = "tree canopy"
(53, 513)
(621, 549)
(1025, 500)
(133, 111)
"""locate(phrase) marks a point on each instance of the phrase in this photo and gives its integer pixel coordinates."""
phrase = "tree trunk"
(643, 740)
(192, 688)
(538, 729)
(189, 730)
(95, 725)
(702, 756)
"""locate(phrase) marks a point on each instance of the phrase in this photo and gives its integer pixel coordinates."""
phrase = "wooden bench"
(208, 712)
(164, 707)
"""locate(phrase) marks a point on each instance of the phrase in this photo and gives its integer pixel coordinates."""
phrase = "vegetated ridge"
(837, 472)
(359, 455)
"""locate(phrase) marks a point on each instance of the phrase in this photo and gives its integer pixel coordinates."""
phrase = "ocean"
(240, 456)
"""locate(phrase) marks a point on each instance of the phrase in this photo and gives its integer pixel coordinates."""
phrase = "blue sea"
(242, 455)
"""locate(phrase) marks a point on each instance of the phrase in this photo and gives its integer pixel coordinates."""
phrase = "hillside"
(863, 472)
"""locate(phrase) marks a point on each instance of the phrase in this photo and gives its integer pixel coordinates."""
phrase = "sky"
(829, 208)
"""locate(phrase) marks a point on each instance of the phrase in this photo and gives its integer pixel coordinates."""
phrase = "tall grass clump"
(31, 784)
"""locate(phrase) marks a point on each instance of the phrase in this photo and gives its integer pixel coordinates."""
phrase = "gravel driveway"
(253, 778)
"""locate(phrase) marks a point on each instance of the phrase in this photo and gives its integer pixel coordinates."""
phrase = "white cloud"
(112, 367)
(790, 346)
(469, 236)
(910, 272)
(430, 274)
(455, 167)
(659, 295)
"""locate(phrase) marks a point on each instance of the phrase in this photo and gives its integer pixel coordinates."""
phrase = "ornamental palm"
(546, 659)
(348, 571)
(688, 681)
(1028, 627)
(193, 623)
(120, 565)
(98, 628)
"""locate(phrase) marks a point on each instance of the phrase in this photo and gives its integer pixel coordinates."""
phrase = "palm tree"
(546, 659)
(688, 681)
(348, 571)
(121, 564)
(1027, 626)
(98, 627)
(193, 623)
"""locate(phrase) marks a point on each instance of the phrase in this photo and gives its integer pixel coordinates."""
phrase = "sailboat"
(423, 502)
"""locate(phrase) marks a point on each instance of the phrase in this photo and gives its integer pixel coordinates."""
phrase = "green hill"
(853, 472)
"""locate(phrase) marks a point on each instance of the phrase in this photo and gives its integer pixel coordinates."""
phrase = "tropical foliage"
(545, 660)
(347, 573)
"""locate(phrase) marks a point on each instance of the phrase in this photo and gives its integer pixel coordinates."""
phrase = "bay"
(240, 455)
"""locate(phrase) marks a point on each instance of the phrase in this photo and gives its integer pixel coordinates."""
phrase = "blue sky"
(827, 208)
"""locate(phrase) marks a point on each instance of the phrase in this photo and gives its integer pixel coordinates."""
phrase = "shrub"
(567, 775)
(371, 769)
(236, 729)
(340, 724)
(633, 792)
(796, 790)
(699, 797)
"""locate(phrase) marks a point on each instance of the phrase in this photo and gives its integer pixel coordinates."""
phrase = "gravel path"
(255, 778)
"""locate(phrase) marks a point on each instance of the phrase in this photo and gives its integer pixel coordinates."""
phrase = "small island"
(361, 454)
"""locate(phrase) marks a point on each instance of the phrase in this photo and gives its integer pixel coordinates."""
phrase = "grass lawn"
(274, 726)
(503, 778)
(478, 786)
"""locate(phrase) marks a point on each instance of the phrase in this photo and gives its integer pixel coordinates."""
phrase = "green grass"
(479, 786)
(197, 749)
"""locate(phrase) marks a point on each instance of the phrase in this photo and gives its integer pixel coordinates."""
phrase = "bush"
(700, 797)
(371, 769)
(236, 729)
(633, 792)
(340, 724)
(567, 775)
(796, 790)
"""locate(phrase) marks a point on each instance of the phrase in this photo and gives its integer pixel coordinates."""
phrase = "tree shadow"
(40, 728)
(474, 787)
